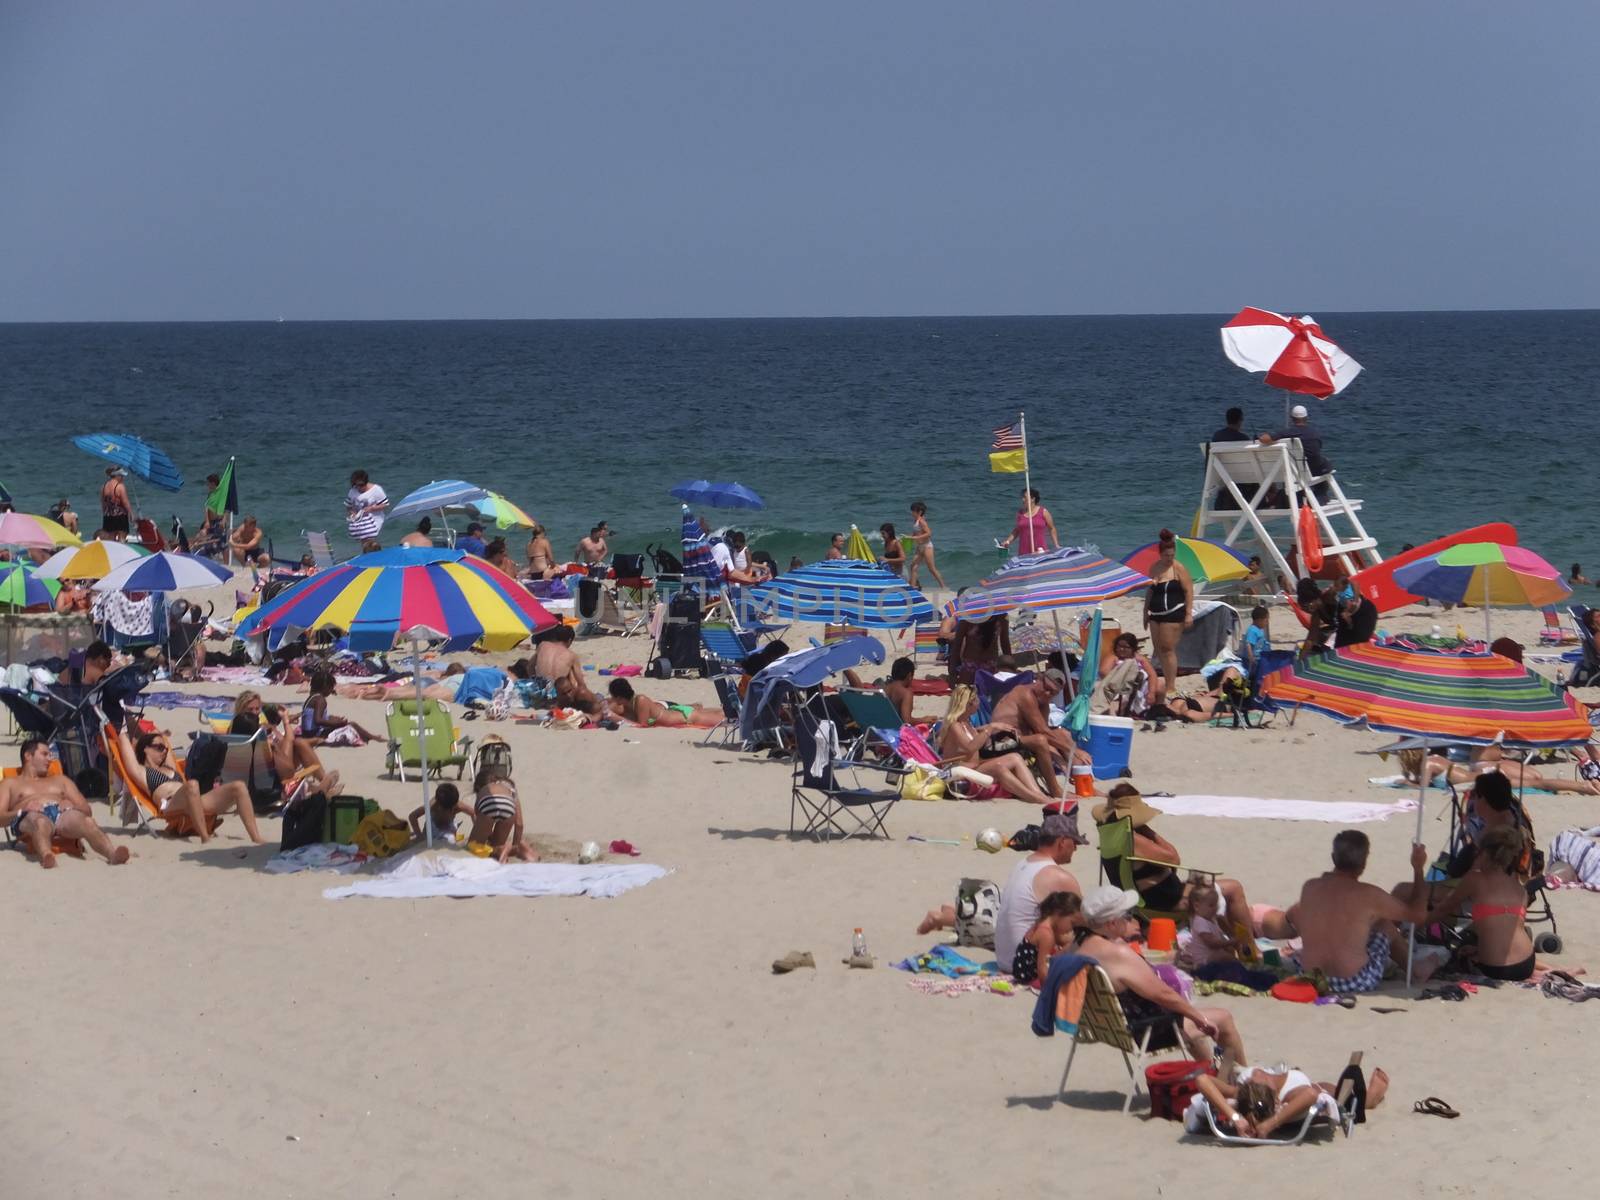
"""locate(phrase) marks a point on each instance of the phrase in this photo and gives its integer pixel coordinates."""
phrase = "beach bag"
(381, 834)
(919, 783)
(1171, 1084)
(493, 753)
(204, 762)
(345, 814)
(305, 821)
(977, 909)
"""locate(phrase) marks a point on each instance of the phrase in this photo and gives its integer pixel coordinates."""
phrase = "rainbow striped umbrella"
(1485, 573)
(387, 596)
(1459, 698)
(1202, 559)
(1071, 577)
(506, 515)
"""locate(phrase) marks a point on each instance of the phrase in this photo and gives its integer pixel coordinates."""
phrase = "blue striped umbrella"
(439, 495)
(165, 572)
(843, 591)
(148, 462)
(717, 495)
(1071, 577)
(697, 560)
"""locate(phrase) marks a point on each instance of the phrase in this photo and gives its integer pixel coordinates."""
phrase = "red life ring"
(1310, 542)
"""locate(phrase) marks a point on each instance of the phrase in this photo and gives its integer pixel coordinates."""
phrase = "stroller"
(1241, 698)
(668, 568)
(67, 715)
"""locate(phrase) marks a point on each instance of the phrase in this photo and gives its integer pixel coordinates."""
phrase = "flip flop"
(621, 847)
(1435, 1107)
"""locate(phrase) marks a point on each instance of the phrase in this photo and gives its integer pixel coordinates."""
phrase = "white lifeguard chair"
(1254, 493)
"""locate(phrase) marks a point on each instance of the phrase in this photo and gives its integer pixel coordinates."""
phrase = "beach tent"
(804, 669)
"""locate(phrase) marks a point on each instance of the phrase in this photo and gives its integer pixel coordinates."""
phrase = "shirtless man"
(897, 687)
(1109, 921)
(593, 549)
(422, 536)
(1348, 927)
(1032, 879)
(634, 706)
(556, 661)
(39, 806)
(1025, 708)
(245, 543)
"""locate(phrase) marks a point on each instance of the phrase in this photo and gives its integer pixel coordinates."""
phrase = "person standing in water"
(921, 536)
(1033, 524)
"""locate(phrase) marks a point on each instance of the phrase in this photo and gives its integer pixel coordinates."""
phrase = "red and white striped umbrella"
(1294, 352)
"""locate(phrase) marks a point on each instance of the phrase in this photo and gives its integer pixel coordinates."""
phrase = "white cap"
(1107, 901)
(1298, 412)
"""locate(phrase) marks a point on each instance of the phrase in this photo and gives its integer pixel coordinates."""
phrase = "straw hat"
(1124, 801)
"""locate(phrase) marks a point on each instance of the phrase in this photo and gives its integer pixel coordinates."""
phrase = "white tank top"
(1019, 909)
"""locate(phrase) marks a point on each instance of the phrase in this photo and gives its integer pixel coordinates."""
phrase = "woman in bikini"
(991, 749)
(497, 816)
(629, 705)
(894, 554)
(1168, 607)
(291, 755)
(922, 536)
(1496, 898)
(151, 755)
(1484, 760)
(1259, 1101)
(541, 556)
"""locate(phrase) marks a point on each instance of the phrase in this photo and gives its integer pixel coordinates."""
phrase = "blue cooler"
(1110, 744)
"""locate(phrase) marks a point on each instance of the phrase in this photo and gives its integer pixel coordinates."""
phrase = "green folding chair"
(1116, 847)
(406, 734)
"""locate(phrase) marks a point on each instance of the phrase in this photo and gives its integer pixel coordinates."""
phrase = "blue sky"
(382, 160)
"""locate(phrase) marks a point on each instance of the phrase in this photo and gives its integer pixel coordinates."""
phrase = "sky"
(630, 158)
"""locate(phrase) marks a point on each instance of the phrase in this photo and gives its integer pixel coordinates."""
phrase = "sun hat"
(1128, 804)
(1108, 901)
(1298, 412)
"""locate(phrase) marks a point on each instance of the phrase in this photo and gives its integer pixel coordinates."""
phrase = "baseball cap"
(1055, 677)
(1108, 901)
(1298, 412)
(1057, 826)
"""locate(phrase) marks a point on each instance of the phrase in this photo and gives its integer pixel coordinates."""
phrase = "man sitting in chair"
(1107, 924)
(902, 672)
(39, 806)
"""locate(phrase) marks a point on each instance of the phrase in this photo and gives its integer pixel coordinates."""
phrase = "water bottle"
(858, 944)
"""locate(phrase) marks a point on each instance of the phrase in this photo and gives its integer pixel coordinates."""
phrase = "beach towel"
(1251, 808)
(435, 873)
(1060, 1003)
(1580, 851)
(1401, 783)
(215, 704)
(947, 961)
(319, 856)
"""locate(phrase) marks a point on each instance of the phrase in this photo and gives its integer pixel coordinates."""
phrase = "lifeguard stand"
(1254, 493)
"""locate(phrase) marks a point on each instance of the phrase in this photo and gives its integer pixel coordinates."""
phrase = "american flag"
(1008, 437)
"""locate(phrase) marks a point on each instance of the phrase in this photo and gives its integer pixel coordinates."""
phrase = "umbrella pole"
(1486, 635)
(422, 736)
(1422, 796)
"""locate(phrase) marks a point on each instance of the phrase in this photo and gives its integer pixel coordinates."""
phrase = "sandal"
(1435, 1107)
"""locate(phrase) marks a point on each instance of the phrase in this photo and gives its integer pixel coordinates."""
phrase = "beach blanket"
(1401, 783)
(319, 856)
(432, 873)
(932, 985)
(253, 676)
(1250, 808)
(947, 961)
(215, 704)
(1580, 851)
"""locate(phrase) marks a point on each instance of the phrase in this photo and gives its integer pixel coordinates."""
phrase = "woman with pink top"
(1033, 524)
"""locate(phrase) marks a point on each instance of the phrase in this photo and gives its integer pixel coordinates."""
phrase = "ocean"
(1459, 418)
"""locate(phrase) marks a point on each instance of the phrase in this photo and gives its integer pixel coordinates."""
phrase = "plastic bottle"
(858, 944)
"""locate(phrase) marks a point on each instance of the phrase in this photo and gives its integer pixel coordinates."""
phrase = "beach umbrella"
(1485, 573)
(34, 532)
(803, 669)
(856, 547)
(1204, 560)
(410, 594)
(1293, 351)
(697, 560)
(438, 496)
(166, 571)
(704, 493)
(95, 560)
(1071, 577)
(148, 462)
(22, 587)
(1472, 699)
(843, 591)
(506, 515)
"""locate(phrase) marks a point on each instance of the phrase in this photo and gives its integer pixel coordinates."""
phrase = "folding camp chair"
(1586, 671)
(406, 734)
(816, 791)
(1240, 701)
(1116, 847)
(1104, 1023)
(727, 732)
(320, 547)
(724, 646)
(247, 760)
(139, 806)
(877, 718)
(1554, 632)
(926, 648)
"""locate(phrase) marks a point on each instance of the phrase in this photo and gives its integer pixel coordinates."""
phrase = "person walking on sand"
(921, 536)
(364, 507)
(1033, 524)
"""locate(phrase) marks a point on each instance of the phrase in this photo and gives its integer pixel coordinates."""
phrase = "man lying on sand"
(1347, 927)
(38, 806)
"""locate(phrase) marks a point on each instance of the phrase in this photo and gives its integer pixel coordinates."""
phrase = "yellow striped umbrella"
(857, 547)
(93, 561)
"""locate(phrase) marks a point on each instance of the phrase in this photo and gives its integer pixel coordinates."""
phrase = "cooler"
(1110, 744)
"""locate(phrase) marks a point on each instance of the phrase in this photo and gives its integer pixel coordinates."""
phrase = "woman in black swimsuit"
(114, 511)
(1168, 608)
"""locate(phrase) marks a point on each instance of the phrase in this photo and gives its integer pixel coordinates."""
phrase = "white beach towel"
(1250, 808)
(435, 874)
(319, 856)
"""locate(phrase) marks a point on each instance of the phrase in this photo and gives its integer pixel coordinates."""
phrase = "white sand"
(190, 1026)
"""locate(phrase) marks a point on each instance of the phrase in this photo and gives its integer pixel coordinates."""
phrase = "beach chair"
(1586, 671)
(72, 847)
(1554, 633)
(817, 793)
(925, 647)
(1341, 1111)
(406, 734)
(877, 718)
(1103, 1023)
(247, 760)
(1238, 704)
(320, 547)
(1116, 847)
(724, 646)
(139, 807)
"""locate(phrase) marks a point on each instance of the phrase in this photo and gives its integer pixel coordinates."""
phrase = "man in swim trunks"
(556, 662)
(37, 806)
(1348, 929)
(1026, 709)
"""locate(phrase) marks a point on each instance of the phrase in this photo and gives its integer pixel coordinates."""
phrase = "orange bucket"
(1163, 934)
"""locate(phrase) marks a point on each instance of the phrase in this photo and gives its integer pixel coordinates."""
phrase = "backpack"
(381, 834)
(492, 752)
(204, 763)
(305, 821)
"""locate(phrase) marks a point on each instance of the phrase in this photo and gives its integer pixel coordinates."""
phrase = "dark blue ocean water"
(1459, 418)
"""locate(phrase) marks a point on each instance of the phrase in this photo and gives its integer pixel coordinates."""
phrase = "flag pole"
(1027, 478)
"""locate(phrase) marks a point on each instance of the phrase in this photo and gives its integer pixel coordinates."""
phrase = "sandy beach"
(189, 1024)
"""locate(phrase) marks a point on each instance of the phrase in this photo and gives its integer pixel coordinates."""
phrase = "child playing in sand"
(497, 816)
(441, 814)
(1058, 917)
(1208, 941)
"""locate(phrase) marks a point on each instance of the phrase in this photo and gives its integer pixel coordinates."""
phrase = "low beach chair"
(1337, 1112)
(1103, 1023)
(248, 761)
(406, 734)
(817, 793)
(1116, 846)
(925, 648)
(727, 732)
(140, 805)
(72, 847)
(1554, 633)
(724, 646)
(1586, 671)
(320, 548)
